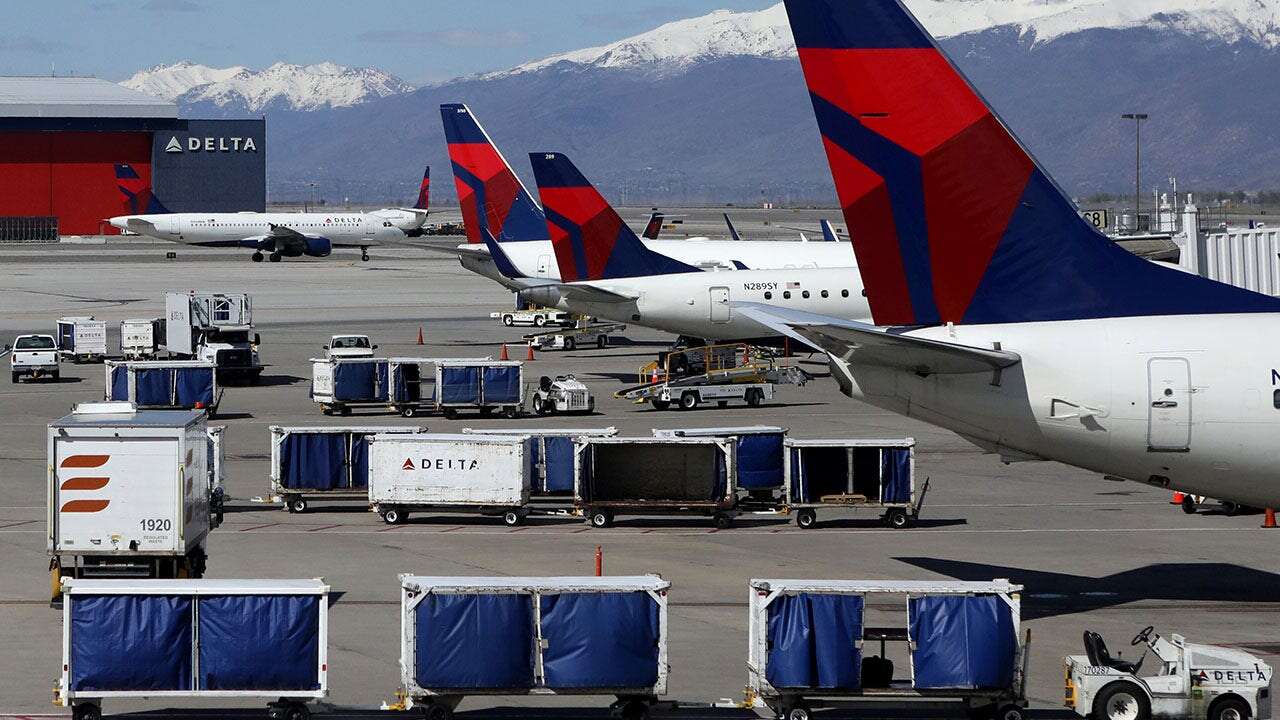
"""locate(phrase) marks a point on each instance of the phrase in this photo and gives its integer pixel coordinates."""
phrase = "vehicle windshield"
(34, 342)
(351, 342)
(231, 337)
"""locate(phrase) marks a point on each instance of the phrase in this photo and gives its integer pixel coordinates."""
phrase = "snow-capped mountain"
(292, 87)
(765, 33)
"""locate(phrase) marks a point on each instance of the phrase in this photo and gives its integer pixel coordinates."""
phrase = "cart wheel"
(601, 519)
(512, 518)
(755, 397)
(1188, 505)
(723, 521)
(296, 505)
(297, 711)
(450, 414)
(722, 403)
(660, 404)
(511, 412)
(437, 711)
(897, 518)
(634, 710)
(394, 516)
(88, 711)
(689, 400)
(807, 519)
(344, 411)
(799, 712)
(1015, 712)
(408, 412)
(539, 407)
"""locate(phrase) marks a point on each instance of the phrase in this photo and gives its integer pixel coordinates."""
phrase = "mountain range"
(714, 109)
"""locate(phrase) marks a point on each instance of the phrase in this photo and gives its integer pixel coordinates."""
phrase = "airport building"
(61, 139)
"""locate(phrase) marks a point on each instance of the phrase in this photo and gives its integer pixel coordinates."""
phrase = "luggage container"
(122, 501)
(163, 384)
(485, 474)
(551, 458)
(339, 384)
(140, 338)
(485, 386)
(761, 458)
(404, 385)
(197, 639)
(655, 476)
(848, 473)
(327, 462)
(959, 640)
(82, 339)
(465, 636)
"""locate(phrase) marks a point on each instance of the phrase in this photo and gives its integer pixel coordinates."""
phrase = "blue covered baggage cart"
(465, 636)
(761, 458)
(163, 384)
(325, 462)
(853, 473)
(814, 643)
(339, 384)
(552, 455)
(655, 476)
(483, 385)
(168, 639)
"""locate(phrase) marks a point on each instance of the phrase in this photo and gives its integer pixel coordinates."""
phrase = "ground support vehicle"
(407, 385)
(464, 636)
(960, 641)
(696, 376)
(655, 476)
(1190, 682)
(329, 462)
(33, 357)
(128, 493)
(349, 346)
(164, 384)
(853, 473)
(449, 473)
(140, 338)
(552, 455)
(82, 339)
(1192, 504)
(563, 394)
(760, 461)
(197, 639)
(216, 328)
(537, 317)
(583, 336)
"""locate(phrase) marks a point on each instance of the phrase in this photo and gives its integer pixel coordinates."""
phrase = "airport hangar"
(61, 138)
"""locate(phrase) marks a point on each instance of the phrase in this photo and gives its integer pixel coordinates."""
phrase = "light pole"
(1137, 119)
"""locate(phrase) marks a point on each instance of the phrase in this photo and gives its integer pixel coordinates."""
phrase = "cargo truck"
(33, 357)
(216, 328)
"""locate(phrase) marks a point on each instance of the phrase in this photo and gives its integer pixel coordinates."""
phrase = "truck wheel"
(539, 407)
(296, 505)
(394, 516)
(197, 563)
(723, 521)
(540, 320)
(1012, 712)
(438, 711)
(1121, 701)
(755, 397)
(806, 519)
(689, 400)
(88, 711)
(15, 377)
(1188, 505)
(508, 320)
(602, 342)
(512, 518)
(1229, 708)
(897, 518)
(601, 519)
(660, 404)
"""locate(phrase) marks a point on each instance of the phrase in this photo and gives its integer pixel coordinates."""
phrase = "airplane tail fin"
(829, 231)
(137, 196)
(654, 227)
(424, 192)
(591, 241)
(733, 231)
(936, 240)
(490, 193)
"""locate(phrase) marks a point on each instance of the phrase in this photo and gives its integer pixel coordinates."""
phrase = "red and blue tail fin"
(591, 241)
(951, 218)
(653, 228)
(137, 196)
(490, 193)
(424, 192)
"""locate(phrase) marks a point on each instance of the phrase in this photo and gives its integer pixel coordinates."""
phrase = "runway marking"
(324, 527)
(257, 527)
(24, 522)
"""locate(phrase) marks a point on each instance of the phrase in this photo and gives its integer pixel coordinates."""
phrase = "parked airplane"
(494, 200)
(279, 235)
(1000, 314)
(611, 274)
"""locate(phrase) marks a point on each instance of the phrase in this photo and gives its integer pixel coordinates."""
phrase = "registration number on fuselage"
(760, 286)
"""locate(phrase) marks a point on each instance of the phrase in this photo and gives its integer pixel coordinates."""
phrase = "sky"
(420, 41)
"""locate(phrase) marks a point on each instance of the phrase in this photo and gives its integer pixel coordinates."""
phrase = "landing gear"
(364, 254)
(274, 257)
(256, 257)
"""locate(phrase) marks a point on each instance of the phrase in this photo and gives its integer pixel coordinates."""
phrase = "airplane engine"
(317, 247)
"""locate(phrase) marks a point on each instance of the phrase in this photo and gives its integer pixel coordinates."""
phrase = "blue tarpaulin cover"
(153, 386)
(120, 383)
(502, 385)
(962, 642)
(361, 381)
(895, 474)
(813, 641)
(315, 461)
(460, 385)
(600, 640)
(130, 642)
(760, 457)
(474, 641)
(559, 465)
(193, 385)
(359, 460)
(259, 642)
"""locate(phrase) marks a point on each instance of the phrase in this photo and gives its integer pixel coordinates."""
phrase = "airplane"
(411, 219)
(999, 313)
(610, 273)
(828, 231)
(278, 234)
(493, 199)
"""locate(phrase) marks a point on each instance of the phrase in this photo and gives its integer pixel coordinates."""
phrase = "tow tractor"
(563, 394)
(1195, 682)
(537, 317)
(581, 336)
(689, 377)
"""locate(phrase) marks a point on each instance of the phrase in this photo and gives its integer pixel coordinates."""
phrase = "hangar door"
(1169, 411)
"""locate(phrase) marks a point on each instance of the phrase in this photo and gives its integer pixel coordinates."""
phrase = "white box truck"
(128, 493)
(213, 327)
(485, 474)
(82, 339)
(139, 338)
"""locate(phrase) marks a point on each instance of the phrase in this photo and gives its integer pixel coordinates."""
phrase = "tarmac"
(1092, 553)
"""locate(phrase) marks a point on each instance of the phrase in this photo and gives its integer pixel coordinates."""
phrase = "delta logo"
(211, 144)
(440, 464)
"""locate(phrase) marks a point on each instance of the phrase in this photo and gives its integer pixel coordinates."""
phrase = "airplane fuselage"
(194, 228)
(1187, 402)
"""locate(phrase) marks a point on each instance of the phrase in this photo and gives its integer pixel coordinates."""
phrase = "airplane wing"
(281, 231)
(866, 344)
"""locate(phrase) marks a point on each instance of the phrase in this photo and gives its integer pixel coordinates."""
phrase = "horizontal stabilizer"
(591, 293)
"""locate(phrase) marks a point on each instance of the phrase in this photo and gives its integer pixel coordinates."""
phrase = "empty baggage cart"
(655, 476)
(551, 456)
(853, 473)
(761, 459)
(322, 463)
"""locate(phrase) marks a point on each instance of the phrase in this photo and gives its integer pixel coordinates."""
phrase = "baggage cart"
(322, 463)
(853, 473)
(761, 459)
(404, 385)
(551, 456)
(140, 338)
(197, 639)
(485, 386)
(82, 339)
(340, 384)
(449, 473)
(465, 636)
(811, 644)
(163, 384)
(122, 501)
(655, 476)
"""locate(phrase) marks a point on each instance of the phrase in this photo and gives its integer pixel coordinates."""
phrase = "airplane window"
(844, 293)
(825, 294)
(805, 294)
(769, 296)
(786, 294)
(1275, 399)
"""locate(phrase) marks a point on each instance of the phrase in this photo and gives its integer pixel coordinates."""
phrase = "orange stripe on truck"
(85, 461)
(85, 506)
(85, 483)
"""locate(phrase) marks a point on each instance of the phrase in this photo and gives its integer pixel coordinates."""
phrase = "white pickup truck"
(349, 346)
(35, 356)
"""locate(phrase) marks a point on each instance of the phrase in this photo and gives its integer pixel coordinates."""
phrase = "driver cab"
(1170, 679)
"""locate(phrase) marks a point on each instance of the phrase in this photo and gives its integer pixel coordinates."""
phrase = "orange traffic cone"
(420, 336)
(1177, 498)
(503, 354)
(654, 377)
(530, 355)
(1269, 518)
